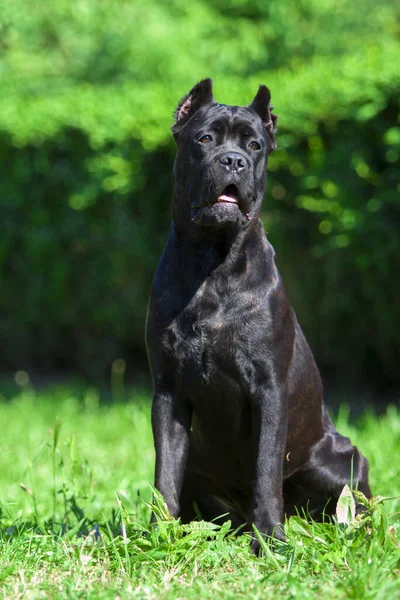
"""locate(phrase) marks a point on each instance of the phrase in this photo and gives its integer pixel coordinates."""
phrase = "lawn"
(74, 513)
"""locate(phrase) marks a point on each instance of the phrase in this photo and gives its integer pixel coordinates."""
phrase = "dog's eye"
(254, 145)
(205, 139)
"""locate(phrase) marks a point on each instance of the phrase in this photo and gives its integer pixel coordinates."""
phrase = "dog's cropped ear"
(198, 96)
(261, 105)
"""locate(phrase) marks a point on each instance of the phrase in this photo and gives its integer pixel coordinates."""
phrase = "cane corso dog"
(240, 427)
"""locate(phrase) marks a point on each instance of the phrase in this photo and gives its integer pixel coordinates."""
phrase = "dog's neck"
(231, 249)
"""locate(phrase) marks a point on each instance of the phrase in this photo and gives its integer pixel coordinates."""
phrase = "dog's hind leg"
(334, 462)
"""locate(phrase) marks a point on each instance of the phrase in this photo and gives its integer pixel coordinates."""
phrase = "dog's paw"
(276, 533)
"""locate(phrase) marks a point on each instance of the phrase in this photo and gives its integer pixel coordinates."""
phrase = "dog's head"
(222, 151)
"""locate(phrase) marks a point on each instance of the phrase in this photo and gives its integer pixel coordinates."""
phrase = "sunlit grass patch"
(79, 525)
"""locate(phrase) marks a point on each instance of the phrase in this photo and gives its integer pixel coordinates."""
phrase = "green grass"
(77, 527)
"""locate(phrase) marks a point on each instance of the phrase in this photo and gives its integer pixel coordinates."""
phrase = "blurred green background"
(87, 90)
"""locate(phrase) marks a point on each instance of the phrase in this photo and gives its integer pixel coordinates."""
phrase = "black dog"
(239, 423)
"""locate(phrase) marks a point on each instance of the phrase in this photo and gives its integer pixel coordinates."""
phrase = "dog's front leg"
(269, 428)
(171, 421)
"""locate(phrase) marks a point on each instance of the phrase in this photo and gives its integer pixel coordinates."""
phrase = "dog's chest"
(203, 337)
(213, 342)
(198, 345)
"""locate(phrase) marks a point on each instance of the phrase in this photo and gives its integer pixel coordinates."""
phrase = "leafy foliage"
(88, 88)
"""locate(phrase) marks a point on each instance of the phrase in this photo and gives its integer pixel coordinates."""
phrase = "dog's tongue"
(226, 198)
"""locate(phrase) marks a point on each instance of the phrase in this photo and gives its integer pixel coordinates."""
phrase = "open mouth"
(209, 214)
(230, 194)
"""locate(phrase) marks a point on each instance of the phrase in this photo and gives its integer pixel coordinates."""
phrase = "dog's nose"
(233, 161)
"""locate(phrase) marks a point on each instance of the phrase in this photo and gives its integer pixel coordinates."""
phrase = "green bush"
(88, 89)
